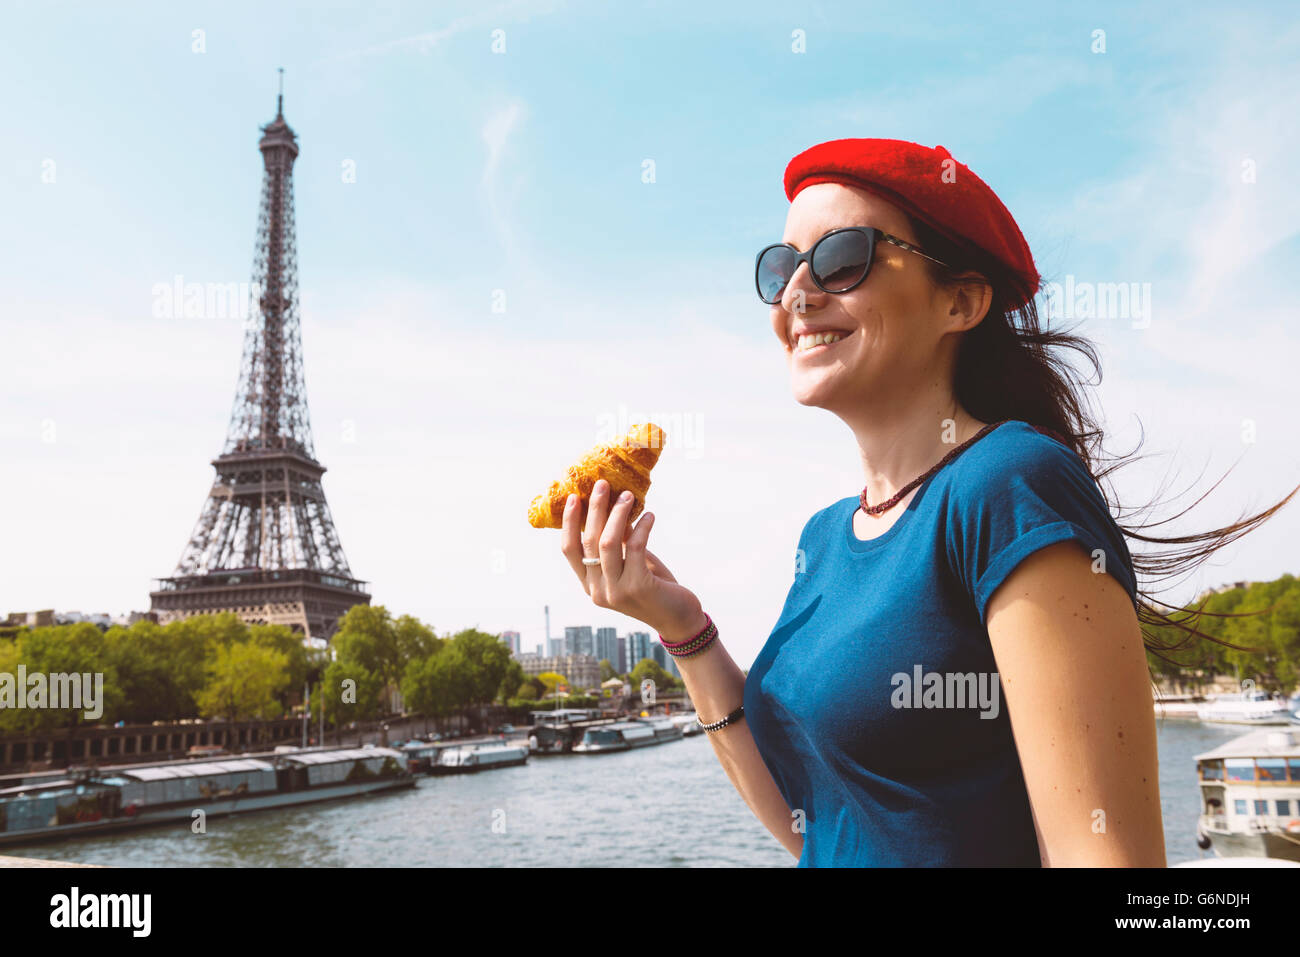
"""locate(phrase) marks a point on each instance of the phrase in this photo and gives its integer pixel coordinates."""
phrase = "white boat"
(689, 722)
(1250, 707)
(479, 757)
(1250, 796)
(1179, 705)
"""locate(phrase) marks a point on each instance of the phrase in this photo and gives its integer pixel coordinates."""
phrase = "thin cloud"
(423, 43)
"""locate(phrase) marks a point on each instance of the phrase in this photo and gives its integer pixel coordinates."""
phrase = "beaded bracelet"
(719, 725)
(694, 645)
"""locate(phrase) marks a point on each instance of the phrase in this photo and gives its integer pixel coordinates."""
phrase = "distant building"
(638, 647)
(511, 639)
(131, 617)
(607, 645)
(1230, 587)
(100, 620)
(578, 641)
(30, 619)
(620, 663)
(660, 654)
(582, 671)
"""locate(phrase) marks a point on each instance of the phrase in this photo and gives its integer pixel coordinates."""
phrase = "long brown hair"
(1011, 367)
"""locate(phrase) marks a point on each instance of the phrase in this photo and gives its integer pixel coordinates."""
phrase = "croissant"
(624, 464)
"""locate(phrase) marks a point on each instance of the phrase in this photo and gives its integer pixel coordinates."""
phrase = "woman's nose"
(800, 290)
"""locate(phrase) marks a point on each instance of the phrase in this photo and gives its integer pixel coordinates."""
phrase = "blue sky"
(522, 172)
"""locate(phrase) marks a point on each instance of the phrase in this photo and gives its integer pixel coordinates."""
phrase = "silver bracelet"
(718, 725)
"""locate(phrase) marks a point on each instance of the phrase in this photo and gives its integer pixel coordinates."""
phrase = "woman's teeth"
(807, 342)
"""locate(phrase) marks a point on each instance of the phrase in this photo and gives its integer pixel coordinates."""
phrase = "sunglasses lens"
(842, 259)
(774, 270)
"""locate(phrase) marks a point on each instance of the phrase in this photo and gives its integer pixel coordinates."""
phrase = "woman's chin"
(811, 391)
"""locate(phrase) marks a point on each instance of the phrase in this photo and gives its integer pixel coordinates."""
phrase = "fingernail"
(569, 500)
(625, 497)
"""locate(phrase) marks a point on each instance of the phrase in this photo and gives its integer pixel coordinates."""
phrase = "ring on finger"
(591, 561)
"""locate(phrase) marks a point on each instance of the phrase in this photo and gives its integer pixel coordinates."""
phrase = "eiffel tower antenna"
(265, 545)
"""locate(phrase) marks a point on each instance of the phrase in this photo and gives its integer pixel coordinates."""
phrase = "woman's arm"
(1073, 670)
(716, 687)
(632, 580)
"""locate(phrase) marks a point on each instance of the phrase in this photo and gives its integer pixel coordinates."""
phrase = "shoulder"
(1016, 451)
(1015, 463)
(824, 521)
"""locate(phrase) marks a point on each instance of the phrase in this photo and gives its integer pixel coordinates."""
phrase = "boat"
(1249, 707)
(689, 722)
(557, 731)
(626, 735)
(1250, 796)
(1179, 705)
(465, 759)
(421, 756)
(112, 799)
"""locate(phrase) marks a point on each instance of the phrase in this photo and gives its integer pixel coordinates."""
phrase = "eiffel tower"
(265, 546)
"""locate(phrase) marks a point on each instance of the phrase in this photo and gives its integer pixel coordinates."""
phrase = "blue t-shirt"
(875, 702)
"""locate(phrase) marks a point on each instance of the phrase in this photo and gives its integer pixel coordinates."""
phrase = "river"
(665, 806)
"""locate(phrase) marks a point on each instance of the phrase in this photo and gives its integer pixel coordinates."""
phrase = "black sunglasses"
(838, 262)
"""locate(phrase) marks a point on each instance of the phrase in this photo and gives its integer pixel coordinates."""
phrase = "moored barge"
(111, 799)
(467, 759)
(626, 735)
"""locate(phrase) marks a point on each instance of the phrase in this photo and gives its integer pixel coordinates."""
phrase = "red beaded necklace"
(894, 500)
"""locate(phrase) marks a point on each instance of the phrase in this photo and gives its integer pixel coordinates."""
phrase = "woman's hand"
(636, 584)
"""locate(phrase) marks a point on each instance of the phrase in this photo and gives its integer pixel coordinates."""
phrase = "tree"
(243, 682)
(160, 670)
(512, 682)
(62, 650)
(606, 670)
(488, 661)
(299, 660)
(351, 692)
(367, 636)
(649, 668)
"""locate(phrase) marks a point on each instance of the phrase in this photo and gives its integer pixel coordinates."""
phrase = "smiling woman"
(981, 553)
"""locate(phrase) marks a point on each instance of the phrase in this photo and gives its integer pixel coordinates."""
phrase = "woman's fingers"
(611, 540)
(571, 538)
(597, 510)
(658, 568)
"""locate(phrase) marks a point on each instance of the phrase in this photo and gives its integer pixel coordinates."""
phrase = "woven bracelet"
(695, 644)
(703, 647)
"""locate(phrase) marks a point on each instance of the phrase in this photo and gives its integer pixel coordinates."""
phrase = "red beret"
(912, 177)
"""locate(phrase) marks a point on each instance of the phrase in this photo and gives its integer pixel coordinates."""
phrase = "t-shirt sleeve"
(1018, 496)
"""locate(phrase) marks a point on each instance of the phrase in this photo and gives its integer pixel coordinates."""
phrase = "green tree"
(351, 692)
(649, 668)
(62, 649)
(160, 670)
(244, 681)
(488, 663)
(368, 636)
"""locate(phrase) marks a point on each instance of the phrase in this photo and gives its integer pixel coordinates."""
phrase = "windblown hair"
(1010, 367)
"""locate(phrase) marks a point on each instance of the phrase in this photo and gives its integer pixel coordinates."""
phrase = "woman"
(958, 675)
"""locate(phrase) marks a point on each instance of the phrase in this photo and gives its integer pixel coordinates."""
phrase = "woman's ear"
(971, 295)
